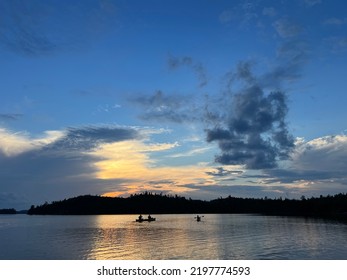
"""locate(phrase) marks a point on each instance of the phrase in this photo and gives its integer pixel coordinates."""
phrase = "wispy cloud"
(164, 107)
(223, 172)
(242, 14)
(335, 21)
(336, 44)
(21, 27)
(197, 67)
(269, 11)
(15, 143)
(190, 153)
(311, 3)
(287, 28)
(10, 117)
(89, 137)
(35, 28)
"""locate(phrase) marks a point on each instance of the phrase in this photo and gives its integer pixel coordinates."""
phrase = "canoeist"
(140, 218)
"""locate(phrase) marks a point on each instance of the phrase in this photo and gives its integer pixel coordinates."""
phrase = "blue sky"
(197, 98)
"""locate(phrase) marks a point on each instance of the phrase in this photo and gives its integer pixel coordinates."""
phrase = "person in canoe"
(198, 218)
(140, 218)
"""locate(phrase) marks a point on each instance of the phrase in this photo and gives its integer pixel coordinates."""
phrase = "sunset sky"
(201, 98)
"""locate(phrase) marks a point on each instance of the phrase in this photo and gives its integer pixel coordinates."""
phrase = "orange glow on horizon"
(131, 161)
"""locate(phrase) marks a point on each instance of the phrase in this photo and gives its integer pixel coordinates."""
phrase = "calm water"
(170, 237)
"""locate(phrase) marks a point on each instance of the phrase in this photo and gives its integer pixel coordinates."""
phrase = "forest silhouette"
(324, 206)
(8, 211)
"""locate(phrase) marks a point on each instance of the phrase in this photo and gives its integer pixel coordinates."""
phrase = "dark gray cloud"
(209, 192)
(61, 169)
(222, 172)
(197, 67)
(247, 120)
(249, 123)
(10, 117)
(292, 175)
(41, 175)
(169, 108)
(253, 131)
(319, 160)
(86, 138)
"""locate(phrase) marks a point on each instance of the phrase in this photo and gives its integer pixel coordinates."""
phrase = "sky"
(203, 99)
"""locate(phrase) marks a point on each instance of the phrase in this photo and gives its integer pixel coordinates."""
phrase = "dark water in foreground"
(250, 237)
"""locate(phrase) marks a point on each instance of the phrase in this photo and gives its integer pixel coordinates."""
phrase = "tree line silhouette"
(324, 206)
(8, 211)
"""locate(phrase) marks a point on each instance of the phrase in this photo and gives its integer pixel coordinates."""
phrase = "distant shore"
(8, 211)
(332, 207)
(12, 211)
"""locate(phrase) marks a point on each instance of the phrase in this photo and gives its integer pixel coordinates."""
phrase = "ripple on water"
(171, 237)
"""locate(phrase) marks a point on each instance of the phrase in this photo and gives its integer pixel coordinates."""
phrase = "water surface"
(220, 236)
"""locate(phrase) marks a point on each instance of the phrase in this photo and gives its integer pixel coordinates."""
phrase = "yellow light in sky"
(130, 161)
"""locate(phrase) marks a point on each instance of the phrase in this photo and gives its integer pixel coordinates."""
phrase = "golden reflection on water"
(217, 237)
(171, 237)
(120, 237)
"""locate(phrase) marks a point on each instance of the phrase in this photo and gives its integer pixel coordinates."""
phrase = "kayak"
(145, 220)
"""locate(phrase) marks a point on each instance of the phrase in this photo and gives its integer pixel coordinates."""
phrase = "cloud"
(197, 67)
(248, 119)
(86, 138)
(227, 16)
(15, 143)
(327, 153)
(70, 139)
(56, 164)
(286, 28)
(335, 21)
(191, 152)
(34, 28)
(10, 117)
(87, 160)
(252, 131)
(21, 29)
(337, 44)
(311, 3)
(290, 58)
(222, 172)
(132, 161)
(319, 160)
(169, 108)
(269, 11)
(243, 14)
(37, 175)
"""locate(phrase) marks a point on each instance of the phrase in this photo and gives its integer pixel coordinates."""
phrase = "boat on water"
(141, 219)
(145, 220)
(198, 218)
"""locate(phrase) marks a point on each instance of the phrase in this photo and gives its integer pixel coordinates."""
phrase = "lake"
(217, 236)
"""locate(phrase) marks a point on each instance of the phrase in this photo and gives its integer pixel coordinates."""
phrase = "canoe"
(145, 220)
